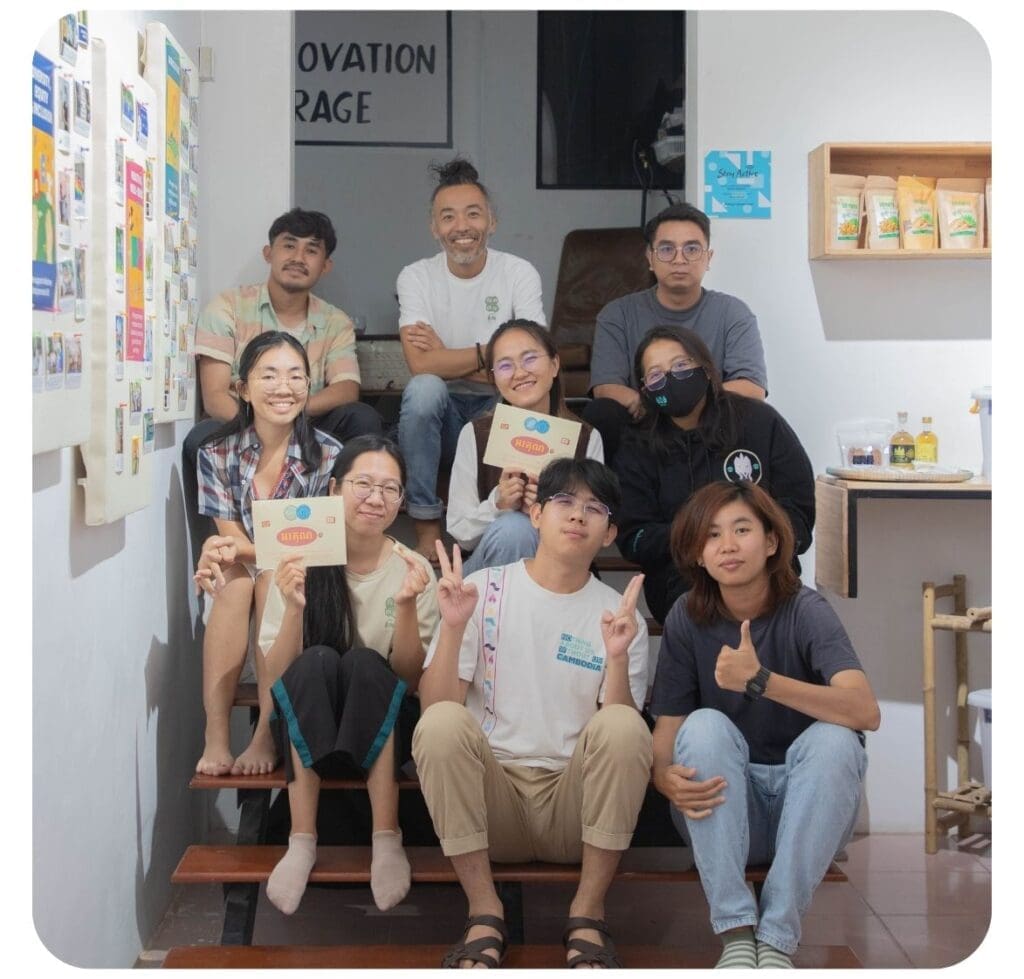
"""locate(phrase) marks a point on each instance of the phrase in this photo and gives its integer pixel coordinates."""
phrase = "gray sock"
(287, 881)
(769, 957)
(738, 950)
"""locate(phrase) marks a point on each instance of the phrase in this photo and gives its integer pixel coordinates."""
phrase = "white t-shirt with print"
(547, 673)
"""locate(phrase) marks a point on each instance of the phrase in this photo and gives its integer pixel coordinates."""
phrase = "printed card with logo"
(311, 526)
(526, 441)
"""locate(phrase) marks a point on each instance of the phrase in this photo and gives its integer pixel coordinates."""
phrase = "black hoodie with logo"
(766, 452)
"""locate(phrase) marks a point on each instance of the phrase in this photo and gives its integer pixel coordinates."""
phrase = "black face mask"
(680, 396)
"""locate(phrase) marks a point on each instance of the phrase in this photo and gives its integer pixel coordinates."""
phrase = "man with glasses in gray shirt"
(679, 253)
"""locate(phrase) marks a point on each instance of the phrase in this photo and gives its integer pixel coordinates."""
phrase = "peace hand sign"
(455, 597)
(619, 629)
(417, 577)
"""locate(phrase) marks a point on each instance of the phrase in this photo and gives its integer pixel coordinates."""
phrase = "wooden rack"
(945, 809)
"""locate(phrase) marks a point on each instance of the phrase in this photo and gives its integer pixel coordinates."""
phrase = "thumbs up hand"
(734, 667)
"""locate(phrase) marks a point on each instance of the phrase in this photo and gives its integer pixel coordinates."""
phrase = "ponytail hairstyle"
(310, 448)
(329, 619)
(556, 403)
(689, 534)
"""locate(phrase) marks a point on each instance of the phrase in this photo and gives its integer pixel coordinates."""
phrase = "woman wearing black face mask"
(694, 433)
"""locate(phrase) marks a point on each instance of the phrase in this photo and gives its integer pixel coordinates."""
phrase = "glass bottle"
(926, 445)
(901, 445)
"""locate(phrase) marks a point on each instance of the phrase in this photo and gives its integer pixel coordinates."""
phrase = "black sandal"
(474, 951)
(590, 954)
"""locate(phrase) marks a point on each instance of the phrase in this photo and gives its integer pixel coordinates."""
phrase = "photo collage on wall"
(61, 131)
(178, 208)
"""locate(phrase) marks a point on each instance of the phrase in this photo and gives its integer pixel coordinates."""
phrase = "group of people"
(513, 676)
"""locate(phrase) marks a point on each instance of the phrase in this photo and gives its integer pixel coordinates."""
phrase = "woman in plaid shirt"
(268, 451)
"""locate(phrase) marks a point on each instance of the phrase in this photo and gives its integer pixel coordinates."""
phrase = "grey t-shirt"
(723, 322)
(803, 640)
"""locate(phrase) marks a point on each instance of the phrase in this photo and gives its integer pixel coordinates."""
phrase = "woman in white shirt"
(488, 509)
(348, 644)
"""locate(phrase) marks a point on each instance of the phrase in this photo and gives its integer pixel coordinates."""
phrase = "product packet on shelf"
(845, 208)
(916, 199)
(882, 211)
(961, 210)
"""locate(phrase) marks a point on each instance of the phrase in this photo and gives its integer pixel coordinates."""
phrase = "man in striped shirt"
(298, 254)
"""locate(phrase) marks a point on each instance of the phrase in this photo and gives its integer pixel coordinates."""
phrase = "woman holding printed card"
(348, 645)
(488, 507)
(694, 433)
(268, 451)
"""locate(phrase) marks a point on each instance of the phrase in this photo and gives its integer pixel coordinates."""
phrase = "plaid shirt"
(238, 315)
(227, 469)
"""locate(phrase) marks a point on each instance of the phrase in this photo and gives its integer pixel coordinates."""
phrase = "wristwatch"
(757, 683)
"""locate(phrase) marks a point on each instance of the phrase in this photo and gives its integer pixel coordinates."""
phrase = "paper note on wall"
(738, 183)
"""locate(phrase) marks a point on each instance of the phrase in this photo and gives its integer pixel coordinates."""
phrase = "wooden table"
(835, 530)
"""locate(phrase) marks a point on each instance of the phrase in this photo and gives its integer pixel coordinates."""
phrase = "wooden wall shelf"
(888, 160)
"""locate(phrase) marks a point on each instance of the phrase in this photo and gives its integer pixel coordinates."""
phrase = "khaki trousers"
(525, 814)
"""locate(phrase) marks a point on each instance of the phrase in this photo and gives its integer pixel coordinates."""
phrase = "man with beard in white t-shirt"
(449, 305)
(531, 745)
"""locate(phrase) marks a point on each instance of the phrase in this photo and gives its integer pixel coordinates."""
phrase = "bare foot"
(480, 931)
(591, 935)
(260, 758)
(216, 760)
(427, 531)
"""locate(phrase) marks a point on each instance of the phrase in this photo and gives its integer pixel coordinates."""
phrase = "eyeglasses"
(655, 380)
(362, 488)
(692, 251)
(295, 381)
(529, 362)
(566, 503)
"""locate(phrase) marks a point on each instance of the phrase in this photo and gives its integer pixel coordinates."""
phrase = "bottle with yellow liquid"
(901, 445)
(926, 445)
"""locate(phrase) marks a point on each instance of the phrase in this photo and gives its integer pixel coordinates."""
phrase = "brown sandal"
(474, 951)
(590, 954)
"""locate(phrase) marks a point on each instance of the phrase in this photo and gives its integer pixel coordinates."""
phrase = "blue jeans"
(795, 816)
(510, 537)
(428, 430)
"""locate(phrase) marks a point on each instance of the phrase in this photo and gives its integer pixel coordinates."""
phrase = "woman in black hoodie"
(695, 432)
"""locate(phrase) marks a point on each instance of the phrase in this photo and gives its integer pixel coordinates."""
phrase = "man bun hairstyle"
(305, 224)
(457, 172)
(678, 212)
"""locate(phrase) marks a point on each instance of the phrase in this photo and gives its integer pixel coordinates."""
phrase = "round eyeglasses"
(529, 362)
(362, 488)
(655, 379)
(297, 382)
(692, 251)
(566, 503)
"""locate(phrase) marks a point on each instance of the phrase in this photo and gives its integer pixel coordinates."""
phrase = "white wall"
(117, 717)
(774, 81)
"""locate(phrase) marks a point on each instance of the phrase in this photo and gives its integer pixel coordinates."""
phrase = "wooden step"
(351, 865)
(429, 957)
(276, 780)
(246, 695)
(614, 562)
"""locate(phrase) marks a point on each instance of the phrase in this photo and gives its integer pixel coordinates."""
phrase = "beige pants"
(523, 814)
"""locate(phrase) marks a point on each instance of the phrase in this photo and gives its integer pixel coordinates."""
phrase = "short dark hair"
(689, 534)
(678, 212)
(566, 475)
(457, 172)
(354, 448)
(305, 224)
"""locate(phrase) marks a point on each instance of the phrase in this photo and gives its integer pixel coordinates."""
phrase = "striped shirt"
(227, 469)
(236, 316)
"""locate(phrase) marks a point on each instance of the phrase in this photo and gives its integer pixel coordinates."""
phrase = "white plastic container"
(982, 700)
(984, 398)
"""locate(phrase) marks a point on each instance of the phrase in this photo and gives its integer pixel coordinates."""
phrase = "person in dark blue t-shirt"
(760, 703)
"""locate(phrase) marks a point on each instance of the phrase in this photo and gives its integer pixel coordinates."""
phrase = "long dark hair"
(253, 350)
(718, 424)
(556, 400)
(329, 619)
(689, 534)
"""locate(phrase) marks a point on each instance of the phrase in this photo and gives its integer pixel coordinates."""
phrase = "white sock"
(287, 881)
(390, 873)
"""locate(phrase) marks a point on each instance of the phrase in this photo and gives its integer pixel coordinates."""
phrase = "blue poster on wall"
(44, 230)
(738, 183)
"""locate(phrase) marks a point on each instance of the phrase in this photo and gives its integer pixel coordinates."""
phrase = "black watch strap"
(757, 683)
